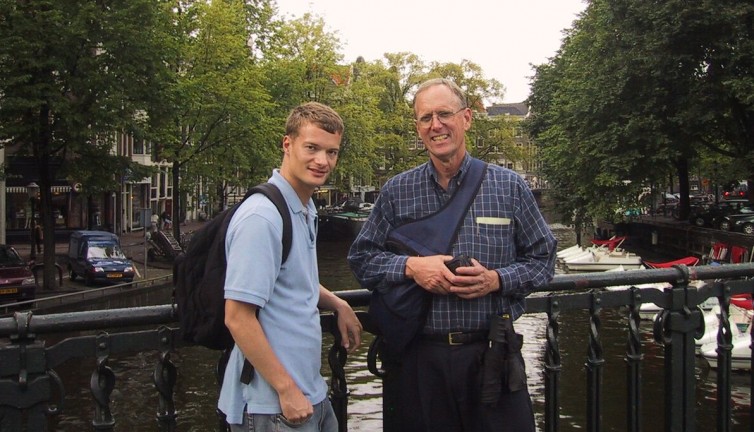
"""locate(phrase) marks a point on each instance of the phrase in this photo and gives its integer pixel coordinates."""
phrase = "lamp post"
(33, 190)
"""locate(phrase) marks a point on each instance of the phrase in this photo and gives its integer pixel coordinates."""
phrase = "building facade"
(118, 210)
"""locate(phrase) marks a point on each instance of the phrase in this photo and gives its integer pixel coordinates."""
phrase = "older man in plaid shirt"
(512, 250)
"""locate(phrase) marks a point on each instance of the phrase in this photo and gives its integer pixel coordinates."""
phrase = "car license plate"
(8, 290)
(115, 275)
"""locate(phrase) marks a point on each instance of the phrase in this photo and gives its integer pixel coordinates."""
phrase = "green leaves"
(637, 89)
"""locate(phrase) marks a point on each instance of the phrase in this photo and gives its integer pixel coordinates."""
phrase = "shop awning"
(22, 189)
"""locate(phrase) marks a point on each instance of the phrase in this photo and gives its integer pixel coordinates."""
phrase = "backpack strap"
(273, 193)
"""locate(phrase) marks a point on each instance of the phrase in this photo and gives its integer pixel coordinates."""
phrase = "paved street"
(132, 244)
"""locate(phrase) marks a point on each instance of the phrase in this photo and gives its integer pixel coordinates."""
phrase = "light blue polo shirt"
(287, 297)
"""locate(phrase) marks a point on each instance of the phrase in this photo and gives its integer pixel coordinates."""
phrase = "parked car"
(97, 256)
(713, 214)
(742, 222)
(736, 191)
(16, 279)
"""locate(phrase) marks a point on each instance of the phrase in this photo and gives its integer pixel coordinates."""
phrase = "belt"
(455, 338)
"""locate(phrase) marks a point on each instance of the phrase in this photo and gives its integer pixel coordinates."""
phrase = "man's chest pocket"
(494, 231)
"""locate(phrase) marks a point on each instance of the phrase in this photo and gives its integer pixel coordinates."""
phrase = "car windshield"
(9, 257)
(104, 250)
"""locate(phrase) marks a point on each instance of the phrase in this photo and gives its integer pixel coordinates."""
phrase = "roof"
(515, 109)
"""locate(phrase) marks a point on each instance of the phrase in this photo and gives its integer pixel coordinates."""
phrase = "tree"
(71, 74)
(638, 89)
(213, 121)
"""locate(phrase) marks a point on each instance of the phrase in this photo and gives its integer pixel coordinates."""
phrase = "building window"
(139, 147)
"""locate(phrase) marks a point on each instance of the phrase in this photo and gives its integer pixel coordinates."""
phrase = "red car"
(17, 282)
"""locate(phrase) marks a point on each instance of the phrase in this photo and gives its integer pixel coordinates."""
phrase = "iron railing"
(31, 390)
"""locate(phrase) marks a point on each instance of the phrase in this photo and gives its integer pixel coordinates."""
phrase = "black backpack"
(199, 275)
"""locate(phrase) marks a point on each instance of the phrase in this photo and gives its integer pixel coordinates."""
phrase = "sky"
(504, 37)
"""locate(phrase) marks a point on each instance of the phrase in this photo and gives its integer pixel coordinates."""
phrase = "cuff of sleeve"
(397, 271)
(507, 281)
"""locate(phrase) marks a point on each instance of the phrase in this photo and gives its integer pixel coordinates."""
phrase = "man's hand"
(349, 326)
(430, 273)
(296, 407)
(473, 281)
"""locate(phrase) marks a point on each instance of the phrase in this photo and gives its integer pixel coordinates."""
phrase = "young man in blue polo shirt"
(274, 315)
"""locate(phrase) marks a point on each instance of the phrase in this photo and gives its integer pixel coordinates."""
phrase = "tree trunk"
(176, 208)
(42, 158)
(682, 166)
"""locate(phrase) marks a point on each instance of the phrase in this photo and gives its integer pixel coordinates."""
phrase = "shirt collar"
(290, 195)
(458, 178)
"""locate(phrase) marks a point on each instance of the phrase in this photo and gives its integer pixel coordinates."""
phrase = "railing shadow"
(31, 390)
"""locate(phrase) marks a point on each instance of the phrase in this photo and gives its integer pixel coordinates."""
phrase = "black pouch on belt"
(502, 368)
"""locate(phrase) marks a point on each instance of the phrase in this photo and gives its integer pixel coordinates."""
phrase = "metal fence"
(31, 390)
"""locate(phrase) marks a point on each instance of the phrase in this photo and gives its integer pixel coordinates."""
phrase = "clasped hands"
(468, 283)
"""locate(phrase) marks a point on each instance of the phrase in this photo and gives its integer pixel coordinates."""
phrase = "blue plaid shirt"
(503, 230)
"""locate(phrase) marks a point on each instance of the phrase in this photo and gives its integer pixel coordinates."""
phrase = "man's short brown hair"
(315, 113)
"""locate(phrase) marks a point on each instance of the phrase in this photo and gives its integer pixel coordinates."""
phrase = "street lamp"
(33, 190)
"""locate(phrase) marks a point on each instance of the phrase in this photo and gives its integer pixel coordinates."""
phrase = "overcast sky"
(504, 37)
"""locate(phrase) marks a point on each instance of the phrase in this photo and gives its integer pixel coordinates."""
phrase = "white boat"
(739, 321)
(575, 256)
(742, 315)
(569, 251)
(740, 355)
(658, 285)
(649, 310)
(603, 260)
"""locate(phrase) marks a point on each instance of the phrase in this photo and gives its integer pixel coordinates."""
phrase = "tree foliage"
(71, 75)
(207, 85)
(639, 90)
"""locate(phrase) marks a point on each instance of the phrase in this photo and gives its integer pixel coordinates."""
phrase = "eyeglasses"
(443, 116)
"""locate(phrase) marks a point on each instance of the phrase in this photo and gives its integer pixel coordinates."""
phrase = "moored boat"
(739, 319)
(600, 260)
(569, 251)
(740, 354)
(649, 310)
(611, 243)
(346, 225)
(689, 261)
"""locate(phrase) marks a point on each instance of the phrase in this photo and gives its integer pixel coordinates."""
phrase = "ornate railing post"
(336, 358)
(164, 381)
(633, 362)
(338, 388)
(101, 385)
(594, 365)
(676, 328)
(25, 383)
(724, 348)
(552, 367)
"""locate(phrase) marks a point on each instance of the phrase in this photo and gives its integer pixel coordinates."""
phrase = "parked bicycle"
(185, 239)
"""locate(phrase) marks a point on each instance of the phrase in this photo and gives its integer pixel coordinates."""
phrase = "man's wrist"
(499, 279)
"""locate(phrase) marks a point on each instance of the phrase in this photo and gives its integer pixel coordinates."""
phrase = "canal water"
(134, 401)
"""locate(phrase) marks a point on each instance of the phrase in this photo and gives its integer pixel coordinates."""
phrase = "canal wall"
(672, 238)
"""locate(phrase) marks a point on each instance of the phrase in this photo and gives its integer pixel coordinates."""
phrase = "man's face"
(441, 122)
(310, 156)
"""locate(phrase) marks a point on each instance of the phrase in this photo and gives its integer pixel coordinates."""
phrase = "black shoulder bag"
(400, 310)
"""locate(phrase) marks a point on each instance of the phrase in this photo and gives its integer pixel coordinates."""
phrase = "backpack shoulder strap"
(273, 193)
